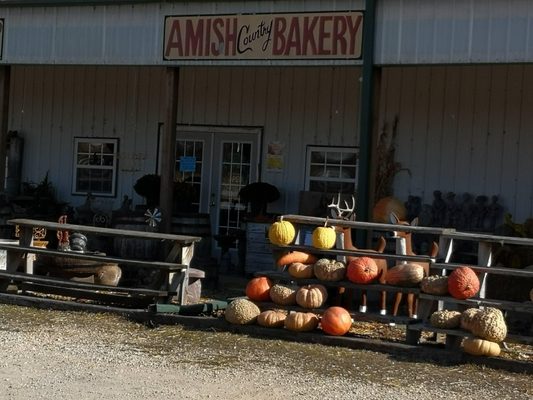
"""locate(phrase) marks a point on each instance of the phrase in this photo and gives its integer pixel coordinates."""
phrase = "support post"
(169, 150)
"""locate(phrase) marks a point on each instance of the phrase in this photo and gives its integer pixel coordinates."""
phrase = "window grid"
(95, 166)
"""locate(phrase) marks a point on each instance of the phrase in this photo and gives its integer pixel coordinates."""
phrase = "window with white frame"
(95, 166)
(331, 169)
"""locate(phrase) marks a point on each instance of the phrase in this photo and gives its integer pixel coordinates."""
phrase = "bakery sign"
(328, 35)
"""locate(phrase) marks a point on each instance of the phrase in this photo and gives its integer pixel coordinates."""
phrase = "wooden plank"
(488, 238)
(54, 226)
(492, 270)
(167, 266)
(102, 297)
(283, 276)
(476, 302)
(22, 277)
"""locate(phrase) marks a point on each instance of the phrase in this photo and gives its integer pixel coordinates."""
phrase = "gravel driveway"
(61, 355)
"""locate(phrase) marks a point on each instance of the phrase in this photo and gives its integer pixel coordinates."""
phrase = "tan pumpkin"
(311, 296)
(272, 318)
(435, 284)
(445, 319)
(324, 237)
(329, 270)
(467, 316)
(489, 324)
(408, 275)
(241, 312)
(480, 347)
(281, 233)
(301, 321)
(463, 283)
(301, 270)
(283, 295)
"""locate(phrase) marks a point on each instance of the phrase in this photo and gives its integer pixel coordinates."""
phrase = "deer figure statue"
(348, 214)
(405, 247)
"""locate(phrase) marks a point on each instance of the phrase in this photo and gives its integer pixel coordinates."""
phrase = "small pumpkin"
(283, 295)
(435, 284)
(463, 283)
(445, 319)
(336, 321)
(258, 289)
(311, 296)
(272, 318)
(467, 316)
(301, 321)
(362, 270)
(329, 270)
(241, 312)
(301, 270)
(324, 237)
(408, 274)
(281, 233)
(480, 347)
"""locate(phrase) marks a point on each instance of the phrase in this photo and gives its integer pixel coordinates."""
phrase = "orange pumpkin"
(463, 283)
(301, 271)
(258, 289)
(387, 205)
(362, 270)
(301, 321)
(336, 321)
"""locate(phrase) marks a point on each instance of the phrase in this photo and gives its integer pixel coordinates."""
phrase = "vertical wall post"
(168, 146)
(365, 122)
(5, 78)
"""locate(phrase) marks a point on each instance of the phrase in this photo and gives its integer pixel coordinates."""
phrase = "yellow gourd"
(281, 233)
(324, 237)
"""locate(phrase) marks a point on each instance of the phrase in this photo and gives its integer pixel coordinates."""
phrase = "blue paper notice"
(187, 164)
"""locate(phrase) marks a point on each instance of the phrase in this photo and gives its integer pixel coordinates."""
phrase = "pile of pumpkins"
(462, 283)
(333, 321)
(487, 326)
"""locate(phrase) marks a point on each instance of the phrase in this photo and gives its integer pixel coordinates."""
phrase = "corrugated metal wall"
(463, 129)
(295, 106)
(127, 34)
(456, 31)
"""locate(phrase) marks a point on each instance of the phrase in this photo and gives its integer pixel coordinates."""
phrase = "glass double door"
(217, 163)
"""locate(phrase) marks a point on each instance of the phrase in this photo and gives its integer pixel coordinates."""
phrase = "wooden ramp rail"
(172, 280)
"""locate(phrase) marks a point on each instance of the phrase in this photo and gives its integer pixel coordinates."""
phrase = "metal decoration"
(153, 218)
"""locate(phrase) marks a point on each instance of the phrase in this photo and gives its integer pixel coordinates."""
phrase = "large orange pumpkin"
(383, 208)
(463, 283)
(258, 289)
(336, 321)
(362, 270)
(311, 296)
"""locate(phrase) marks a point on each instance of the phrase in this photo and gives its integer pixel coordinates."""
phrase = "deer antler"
(341, 213)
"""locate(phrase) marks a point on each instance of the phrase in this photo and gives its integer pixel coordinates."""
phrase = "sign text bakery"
(332, 35)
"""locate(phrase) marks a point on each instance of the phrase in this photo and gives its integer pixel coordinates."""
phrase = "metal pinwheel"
(153, 218)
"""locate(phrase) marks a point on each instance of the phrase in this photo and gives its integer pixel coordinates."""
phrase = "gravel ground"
(60, 355)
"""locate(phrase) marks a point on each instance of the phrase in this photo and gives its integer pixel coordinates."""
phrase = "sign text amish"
(331, 35)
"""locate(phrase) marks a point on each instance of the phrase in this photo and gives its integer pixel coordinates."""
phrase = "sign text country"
(261, 36)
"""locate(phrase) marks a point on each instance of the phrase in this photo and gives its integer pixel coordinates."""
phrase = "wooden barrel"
(142, 249)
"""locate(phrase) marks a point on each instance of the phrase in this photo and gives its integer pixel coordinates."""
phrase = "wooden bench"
(173, 277)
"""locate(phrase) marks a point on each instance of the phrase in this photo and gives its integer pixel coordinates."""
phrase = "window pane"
(226, 152)
(317, 171)
(199, 151)
(349, 158)
(318, 157)
(348, 172)
(333, 172)
(333, 158)
(246, 152)
(83, 147)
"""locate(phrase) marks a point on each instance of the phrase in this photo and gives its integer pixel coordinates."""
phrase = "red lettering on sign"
(278, 44)
(324, 33)
(339, 39)
(353, 27)
(193, 38)
(218, 23)
(174, 39)
(231, 37)
(308, 37)
(207, 40)
(293, 38)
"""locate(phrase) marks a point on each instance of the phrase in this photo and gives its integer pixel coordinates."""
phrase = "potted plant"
(258, 194)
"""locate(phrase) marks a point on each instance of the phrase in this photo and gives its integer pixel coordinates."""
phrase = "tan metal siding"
(296, 106)
(463, 129)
